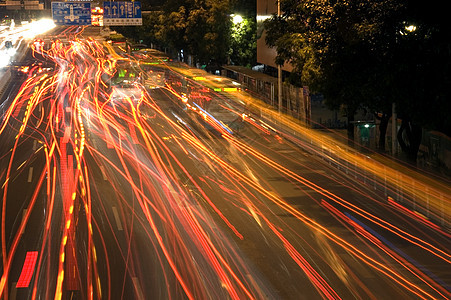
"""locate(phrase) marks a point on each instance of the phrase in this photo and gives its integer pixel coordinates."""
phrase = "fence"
(295, 100)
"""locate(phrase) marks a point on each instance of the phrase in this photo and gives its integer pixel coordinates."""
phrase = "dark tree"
(199, 27)
(371, 53)
(243, 43)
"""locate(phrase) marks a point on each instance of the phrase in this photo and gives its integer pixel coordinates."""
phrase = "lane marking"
(139, 292)
(133, 134)
(24, 213)
(66, 136)
(27, 270)
(102, 169)
(30, 174)
(116, 217)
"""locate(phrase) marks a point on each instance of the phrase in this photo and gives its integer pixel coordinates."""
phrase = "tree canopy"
(370, 53)
(243, 46)
(201, 28)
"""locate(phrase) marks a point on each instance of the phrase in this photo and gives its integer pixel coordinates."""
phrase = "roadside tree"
(371, 53)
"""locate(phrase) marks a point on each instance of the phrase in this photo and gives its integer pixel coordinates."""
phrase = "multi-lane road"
(118, 184)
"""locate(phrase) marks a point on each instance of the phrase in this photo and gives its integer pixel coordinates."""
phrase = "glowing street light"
(411, 28)
(237, 19)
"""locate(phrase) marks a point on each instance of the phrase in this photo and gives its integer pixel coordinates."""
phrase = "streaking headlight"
(4, 59)
(11, 51)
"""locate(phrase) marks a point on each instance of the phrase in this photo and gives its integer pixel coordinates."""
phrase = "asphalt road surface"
(122, 177)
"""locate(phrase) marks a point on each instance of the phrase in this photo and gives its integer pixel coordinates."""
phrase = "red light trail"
(124, 173)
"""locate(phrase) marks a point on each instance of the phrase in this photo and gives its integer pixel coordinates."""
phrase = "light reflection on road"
(119, 168)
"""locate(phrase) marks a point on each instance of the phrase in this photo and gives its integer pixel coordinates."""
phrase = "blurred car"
(28, 68)
(38, 45)
(122, 91)
(154, 79)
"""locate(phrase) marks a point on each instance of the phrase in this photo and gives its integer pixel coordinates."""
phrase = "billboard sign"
(119, 13)
(71, 13)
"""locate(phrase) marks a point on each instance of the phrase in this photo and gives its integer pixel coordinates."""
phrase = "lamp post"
(279, 71)
(394, 130)
(236, 35)
(236, 19)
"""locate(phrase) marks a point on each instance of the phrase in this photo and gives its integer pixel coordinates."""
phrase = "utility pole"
(394, 129)
(279, 71)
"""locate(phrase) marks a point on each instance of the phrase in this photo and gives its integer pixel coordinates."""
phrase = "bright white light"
(261, 18)
(11, 51)
(237, 19)
(411, 28)
(38, 27)
(16, 34)
(408, 29)
(4, 59)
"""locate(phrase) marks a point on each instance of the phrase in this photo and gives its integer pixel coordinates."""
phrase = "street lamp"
(237, 19)
(411, 28)
(279, 71)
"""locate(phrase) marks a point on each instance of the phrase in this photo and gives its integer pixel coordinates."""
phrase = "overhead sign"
(71, 13)
(13, 4)
(33, 5)
(121, 13)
